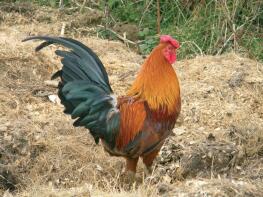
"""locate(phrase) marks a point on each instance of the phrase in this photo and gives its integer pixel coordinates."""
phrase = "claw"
(148, 170)
(127, 179)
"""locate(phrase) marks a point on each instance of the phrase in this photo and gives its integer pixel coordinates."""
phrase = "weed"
(203, 27)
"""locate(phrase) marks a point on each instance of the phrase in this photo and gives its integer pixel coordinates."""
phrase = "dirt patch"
(216, 148)
(210, 187)
(131, 31)
(26, 8)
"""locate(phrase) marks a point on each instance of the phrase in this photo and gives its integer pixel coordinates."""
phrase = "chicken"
(131, 126)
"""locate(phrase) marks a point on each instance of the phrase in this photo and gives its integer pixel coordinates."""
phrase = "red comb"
(167, 38)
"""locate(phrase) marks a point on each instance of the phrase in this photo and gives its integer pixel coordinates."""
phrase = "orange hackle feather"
(157, 83)
(158, 86)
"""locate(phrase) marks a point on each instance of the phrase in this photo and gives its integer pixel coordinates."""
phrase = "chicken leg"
(148, 161)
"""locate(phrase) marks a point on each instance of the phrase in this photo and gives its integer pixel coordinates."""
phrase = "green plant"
(203, 27)
(51, 3)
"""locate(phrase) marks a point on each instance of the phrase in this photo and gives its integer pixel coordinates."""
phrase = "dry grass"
(216, 148)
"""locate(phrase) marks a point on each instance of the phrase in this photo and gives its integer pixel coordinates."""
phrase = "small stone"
(99, 168)
(229, 114)
(211, 137)
(54, 98)
(236, 79)
(238, 167)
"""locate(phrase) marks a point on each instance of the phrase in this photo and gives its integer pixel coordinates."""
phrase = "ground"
(216, 148)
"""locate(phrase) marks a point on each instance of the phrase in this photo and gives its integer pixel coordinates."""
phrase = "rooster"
(131, 126)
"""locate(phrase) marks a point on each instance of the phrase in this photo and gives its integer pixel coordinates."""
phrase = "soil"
(216, 148)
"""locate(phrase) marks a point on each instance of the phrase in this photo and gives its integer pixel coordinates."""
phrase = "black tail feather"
(84, 89)
(43, 45)
(86, 57)
(56, 74)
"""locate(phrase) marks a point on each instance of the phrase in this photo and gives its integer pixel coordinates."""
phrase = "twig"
(85, 29)
(73, 8)
(51, 83)
(192, 42)
(144, 12)
(86, 7)
(212, 168)
(76, 3)
(62, 32)
(158, 18)
(106, 13)
(124, 36)
(5, 166)
(61, 4)
(112, 18)
(82, 6)
(258, 69)
(230, 37)
(125, 40)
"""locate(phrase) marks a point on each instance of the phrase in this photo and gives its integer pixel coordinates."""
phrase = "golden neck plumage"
(157, 83)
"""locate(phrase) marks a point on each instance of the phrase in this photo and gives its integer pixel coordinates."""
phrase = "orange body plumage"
(150, 109)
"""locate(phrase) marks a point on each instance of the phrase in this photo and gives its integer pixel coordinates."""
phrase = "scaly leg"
(131, 165)
(148, 161)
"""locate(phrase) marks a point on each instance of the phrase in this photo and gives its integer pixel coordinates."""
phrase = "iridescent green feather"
(84, 89)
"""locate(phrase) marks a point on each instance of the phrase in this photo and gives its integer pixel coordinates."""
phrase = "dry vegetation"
(216, 149)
